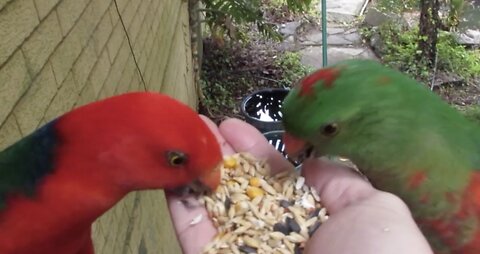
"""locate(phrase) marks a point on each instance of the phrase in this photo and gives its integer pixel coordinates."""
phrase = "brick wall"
(59, 54)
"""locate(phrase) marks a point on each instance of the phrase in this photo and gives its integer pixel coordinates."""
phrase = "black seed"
(247, 249)
(281, 227)
(313, 228)
(285, 203)
(297, 249)
(314, 213)
(293, 225)
(228, 203)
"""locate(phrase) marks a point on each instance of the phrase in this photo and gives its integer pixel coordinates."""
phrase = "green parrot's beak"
(293, 145)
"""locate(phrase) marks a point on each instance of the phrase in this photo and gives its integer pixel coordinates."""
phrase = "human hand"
(234, 136)
(362, 219)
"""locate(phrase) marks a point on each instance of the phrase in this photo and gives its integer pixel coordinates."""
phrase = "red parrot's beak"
(204, 184)
(293, 146)
(211, 179)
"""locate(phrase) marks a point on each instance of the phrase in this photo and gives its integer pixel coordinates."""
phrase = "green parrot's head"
(339, 108)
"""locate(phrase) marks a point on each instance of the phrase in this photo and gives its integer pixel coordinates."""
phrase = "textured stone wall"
(59, 54)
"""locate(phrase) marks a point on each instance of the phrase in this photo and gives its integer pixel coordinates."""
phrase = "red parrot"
(57, 181)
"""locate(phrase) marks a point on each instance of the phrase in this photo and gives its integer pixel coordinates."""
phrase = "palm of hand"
(362, 219)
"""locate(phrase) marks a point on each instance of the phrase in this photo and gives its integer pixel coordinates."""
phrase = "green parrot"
(403, 137)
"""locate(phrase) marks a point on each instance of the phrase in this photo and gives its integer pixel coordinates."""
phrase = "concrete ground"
(343, 39)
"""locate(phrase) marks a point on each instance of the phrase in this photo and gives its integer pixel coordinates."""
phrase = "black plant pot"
(275, 138)
(262, 108)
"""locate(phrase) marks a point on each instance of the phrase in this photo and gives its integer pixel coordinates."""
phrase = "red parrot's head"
(140, 141)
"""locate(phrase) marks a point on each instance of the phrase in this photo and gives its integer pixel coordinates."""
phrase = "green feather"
(391, 127)
(25, 163)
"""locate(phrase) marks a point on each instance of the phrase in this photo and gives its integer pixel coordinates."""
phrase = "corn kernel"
(254, 181)
(253, 192)
(229, 162)
(231, 182)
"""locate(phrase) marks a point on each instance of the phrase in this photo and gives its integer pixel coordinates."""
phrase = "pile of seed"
(258, 213)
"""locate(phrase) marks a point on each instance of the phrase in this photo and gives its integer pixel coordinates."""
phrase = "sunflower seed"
(247, 249)
(282, 228)
(285, 203)
(293, 225)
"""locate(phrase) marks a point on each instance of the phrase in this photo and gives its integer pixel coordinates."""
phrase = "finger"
(243, 137)
(193, 237)
(380, 223)
(224, 145)
(359, 213)
(337, 185)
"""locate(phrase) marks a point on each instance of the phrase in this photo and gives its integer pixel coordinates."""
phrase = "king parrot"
(403, 137)
(56, 181)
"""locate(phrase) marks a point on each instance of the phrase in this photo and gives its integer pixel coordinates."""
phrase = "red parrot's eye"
(176, 158)
(330, 129)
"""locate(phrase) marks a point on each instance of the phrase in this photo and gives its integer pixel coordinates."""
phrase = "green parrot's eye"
(176, 158)
(330, 129)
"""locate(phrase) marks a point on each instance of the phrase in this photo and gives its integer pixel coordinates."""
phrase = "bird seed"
(255, 212)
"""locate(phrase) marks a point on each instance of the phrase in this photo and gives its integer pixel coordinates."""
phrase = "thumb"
(338, 186)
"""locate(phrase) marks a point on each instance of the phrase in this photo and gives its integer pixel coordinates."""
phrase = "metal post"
(324, 33)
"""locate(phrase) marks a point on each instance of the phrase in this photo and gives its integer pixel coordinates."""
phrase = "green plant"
(225, 17)
(397, 6)
(455, 9)
(217, 96)
(400, 50)
(293, 69)
(228, 17)
(279, 6)
(455, 58)
(366, 32)
(471, 112)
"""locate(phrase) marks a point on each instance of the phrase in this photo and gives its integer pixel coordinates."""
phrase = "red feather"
(326, 75)
(106, 150)
(450, 229)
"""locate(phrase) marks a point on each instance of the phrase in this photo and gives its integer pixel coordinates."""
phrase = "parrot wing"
(24, 163)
